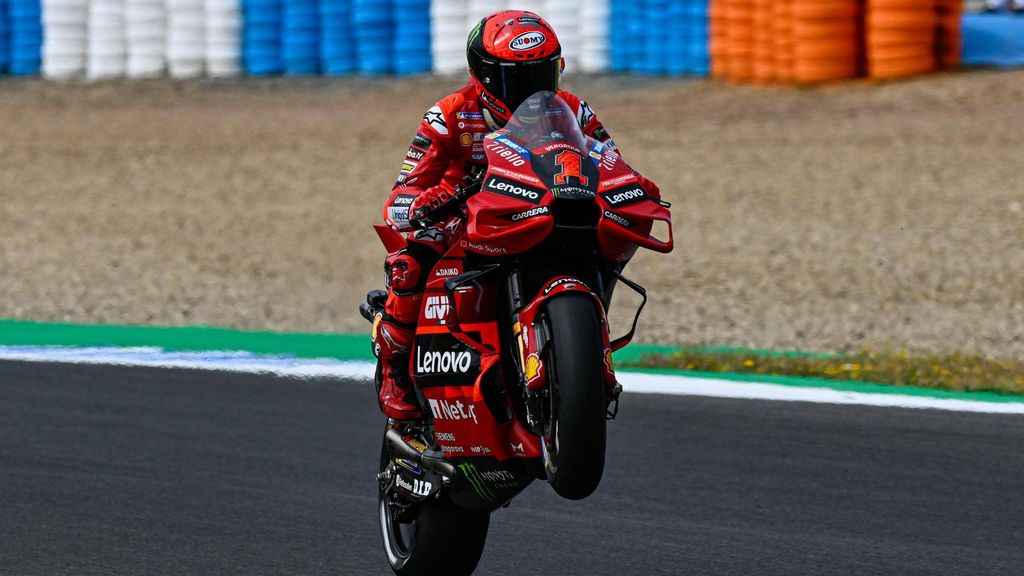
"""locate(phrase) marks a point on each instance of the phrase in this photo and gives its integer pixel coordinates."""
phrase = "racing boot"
(391, 342)
(394, 386)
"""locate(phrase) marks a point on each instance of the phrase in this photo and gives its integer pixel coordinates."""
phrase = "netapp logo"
(447, 362)
(447, 410)
(625, 195)
(538, 211)
(617, 219)
(513, 189)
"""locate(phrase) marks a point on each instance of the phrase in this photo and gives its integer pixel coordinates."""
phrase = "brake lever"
(445, 209)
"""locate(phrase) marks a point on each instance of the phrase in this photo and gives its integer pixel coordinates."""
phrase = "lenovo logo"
(447, 362)
(625, 195)
(513, 189)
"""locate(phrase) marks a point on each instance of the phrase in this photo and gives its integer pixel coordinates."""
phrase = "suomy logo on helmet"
(527, 41)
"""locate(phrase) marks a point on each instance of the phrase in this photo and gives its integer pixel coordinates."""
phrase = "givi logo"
(437, 308)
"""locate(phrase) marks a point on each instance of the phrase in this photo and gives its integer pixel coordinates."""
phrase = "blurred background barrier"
(994, 39)
(750, 41)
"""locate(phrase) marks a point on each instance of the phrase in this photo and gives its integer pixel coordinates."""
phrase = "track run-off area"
(145, 470)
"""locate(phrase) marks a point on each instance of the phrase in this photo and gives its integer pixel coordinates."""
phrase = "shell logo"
(376, 323)
(532, 368)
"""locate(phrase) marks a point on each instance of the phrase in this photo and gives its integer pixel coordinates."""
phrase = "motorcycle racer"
(512, 55)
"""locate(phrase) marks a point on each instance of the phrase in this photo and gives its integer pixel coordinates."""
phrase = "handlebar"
(449, 207)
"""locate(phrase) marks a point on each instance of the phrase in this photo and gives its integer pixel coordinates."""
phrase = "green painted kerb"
(187, 339)
(357, 347)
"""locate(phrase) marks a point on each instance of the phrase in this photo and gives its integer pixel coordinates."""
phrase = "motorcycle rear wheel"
(440, 538)
(574, 444)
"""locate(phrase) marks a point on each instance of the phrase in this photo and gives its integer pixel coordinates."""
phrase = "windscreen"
(545, 118)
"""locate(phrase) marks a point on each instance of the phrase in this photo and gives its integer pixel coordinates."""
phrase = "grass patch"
(957, 372)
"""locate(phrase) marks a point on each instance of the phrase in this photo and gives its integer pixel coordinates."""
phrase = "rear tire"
(574, 444)
(440, 539)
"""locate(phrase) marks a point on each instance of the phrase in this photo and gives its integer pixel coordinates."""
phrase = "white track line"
(632, 382)
(687, 385)
(226, 361)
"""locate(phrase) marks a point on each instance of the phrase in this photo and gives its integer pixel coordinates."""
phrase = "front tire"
(436, 538)
(574, 444)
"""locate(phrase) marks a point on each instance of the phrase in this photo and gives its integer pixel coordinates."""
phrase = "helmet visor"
(520, 80)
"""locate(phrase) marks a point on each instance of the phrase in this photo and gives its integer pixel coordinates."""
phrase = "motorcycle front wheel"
(574, 442)
(434, 537)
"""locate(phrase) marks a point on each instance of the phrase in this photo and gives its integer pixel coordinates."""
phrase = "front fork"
(532, 335)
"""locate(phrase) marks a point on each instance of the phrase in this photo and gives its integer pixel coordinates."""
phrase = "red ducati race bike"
(512, 357)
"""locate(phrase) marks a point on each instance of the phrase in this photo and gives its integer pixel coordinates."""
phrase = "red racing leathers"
(447, 147)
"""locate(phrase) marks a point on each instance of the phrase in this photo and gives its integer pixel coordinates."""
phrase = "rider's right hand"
(427, 201)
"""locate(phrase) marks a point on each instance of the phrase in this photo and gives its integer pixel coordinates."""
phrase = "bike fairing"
(451, 360)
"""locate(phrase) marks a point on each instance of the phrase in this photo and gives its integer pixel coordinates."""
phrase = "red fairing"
(532, 357)
(513, 211)
(457, 346)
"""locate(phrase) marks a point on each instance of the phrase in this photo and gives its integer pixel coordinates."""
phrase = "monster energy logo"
(474, 33)
(469, 471)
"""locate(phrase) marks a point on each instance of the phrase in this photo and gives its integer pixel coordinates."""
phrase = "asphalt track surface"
(152, 471)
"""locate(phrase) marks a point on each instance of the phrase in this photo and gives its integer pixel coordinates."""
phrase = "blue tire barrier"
(261, 37)
(660, 37)
(25, 37)
(337, 45)
(993, 40)
(373, 35)
(653, 56)
(411, 45)
(621, 40)
(300, 42)
(5, 51)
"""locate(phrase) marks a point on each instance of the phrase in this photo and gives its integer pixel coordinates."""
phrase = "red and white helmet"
(513, 54)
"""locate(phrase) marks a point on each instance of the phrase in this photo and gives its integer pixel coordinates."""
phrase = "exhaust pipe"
(432, 460)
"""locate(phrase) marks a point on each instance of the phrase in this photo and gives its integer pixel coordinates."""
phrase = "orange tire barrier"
(719, 41)
(948, 41)
(900, 37)
(764, 58)
(740, 18)
(824, 70)
(783, 44)
(882, 19)
(824, 9)
(826, 45)
(883, 69)
(827, 48)
(813, 41)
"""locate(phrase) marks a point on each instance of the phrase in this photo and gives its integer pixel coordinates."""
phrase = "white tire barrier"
(107, 54)
(64, 44)
(146, 38)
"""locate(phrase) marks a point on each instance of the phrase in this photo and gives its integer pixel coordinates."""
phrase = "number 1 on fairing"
(569, 164)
